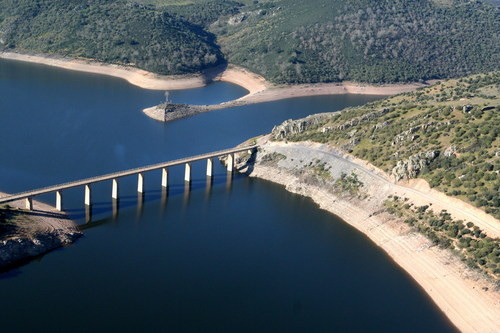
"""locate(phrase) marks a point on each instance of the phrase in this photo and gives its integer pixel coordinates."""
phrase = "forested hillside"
(447, 134)
(287, 41)
(363, 40)
(110, 31)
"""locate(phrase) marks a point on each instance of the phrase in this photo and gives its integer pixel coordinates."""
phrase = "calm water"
(237, 255)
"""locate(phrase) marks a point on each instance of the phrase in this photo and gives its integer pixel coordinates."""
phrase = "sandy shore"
(468, 298)
(268, 93)
(144, 79)
(259, 90)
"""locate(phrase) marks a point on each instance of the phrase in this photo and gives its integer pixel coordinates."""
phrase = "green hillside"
(369, 41)
(110, 31)
(447, 134)
(287, 41)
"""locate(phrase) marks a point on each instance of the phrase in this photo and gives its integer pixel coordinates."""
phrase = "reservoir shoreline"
(468, 298)
(259, 89)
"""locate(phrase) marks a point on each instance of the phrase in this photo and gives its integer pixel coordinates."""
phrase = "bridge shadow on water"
(103, 212)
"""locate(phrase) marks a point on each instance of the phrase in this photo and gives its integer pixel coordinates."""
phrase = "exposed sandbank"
(145, 79)
(259, 90)
(275, 93)
(469, 299)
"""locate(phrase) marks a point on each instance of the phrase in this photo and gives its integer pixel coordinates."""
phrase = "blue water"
(235, 255)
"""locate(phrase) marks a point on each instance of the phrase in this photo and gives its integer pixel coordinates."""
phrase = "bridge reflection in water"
(114, 177)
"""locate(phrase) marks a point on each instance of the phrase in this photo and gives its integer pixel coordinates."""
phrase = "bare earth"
(38, 231)
(469, 299)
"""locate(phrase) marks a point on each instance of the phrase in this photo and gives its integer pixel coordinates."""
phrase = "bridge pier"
(230, 162)
(187, 172)
(114, 190)
(140, 204)
(58, 189)
(115, 204)
(208, 186)
(210, 167)
(88, 213)
(164, 197)
(164, 177)
(59, 202)
(140, 183)
(29, 203)
(88, 195)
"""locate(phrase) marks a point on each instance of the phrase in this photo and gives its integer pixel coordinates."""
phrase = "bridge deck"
(87, 181)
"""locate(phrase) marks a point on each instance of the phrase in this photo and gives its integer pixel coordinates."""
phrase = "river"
(235, 255)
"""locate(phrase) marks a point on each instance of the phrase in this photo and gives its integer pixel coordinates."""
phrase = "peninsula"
(259, 89)
(444, 231)
(27, 234)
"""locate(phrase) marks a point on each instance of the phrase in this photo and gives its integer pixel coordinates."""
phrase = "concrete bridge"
(86, 183)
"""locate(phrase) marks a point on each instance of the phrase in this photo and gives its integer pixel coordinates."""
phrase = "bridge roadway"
(139, 171)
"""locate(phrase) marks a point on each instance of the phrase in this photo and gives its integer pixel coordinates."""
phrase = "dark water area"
(229, 255)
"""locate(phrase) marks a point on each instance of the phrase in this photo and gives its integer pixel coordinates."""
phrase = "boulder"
(412, 166)
(450, 151)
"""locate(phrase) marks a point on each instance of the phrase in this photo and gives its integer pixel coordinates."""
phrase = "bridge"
(28, 195)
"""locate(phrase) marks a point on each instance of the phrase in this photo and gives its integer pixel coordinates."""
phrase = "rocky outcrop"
(356, 121)
(293, 127)
(412, 166)
(22, 248)
(237, 19)
(450, 151)
(467, 108)
(27, 234)
(425, 128)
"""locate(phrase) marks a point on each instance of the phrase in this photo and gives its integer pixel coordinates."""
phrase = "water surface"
(233, 255)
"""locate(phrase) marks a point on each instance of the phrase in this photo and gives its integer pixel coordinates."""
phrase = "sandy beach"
(468, 298)
(145, 79)
(259, 90)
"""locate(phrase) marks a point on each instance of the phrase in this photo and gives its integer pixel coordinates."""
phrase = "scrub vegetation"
(287, 41)
(473, 246)
(370, 41)
(447, 134)
(11, 222)
(350, 184)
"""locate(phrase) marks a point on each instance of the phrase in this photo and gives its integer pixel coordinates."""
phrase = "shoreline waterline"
(468, 299)
(259, 89)
(144, 79)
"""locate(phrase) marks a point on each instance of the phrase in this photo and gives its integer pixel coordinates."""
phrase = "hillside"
(447, 134)
(291, 41)
(109, 31)
(286, 41)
